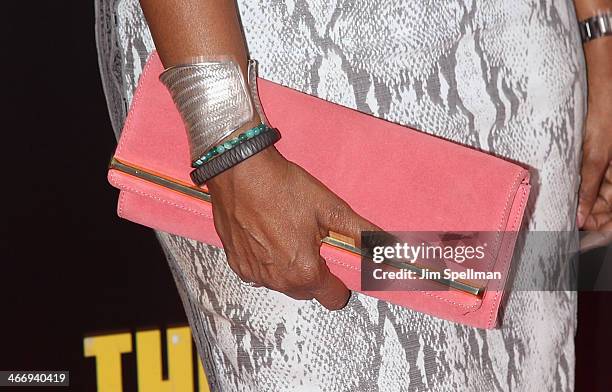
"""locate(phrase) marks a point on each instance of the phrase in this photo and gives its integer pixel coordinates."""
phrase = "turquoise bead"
(228, 145)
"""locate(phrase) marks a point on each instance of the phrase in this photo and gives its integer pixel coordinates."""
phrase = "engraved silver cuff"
(212, 98)
(252, 81)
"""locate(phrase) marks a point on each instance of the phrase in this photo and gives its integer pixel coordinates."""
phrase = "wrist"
(253, 170)
(214, 98)
(252, 123)
(598, 56)
(597, 25)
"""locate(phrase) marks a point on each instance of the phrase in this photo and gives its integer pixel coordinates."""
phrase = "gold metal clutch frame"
(334, 239)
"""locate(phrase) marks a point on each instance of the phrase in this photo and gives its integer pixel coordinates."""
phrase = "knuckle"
(307, 276)
(598, 160)
(310, 282)
(337, 211)
(586, 196)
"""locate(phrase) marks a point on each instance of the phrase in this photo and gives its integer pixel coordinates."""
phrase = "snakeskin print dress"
(507, 77)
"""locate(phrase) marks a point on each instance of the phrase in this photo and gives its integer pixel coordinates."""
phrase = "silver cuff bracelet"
(252, 81)
(212, 98)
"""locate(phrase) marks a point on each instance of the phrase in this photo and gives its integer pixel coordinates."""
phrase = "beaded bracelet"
(234, 156)
(229, 144)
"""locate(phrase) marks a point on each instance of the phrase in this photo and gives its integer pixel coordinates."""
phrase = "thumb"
(592, 172)
(332, 293)
(340, 218)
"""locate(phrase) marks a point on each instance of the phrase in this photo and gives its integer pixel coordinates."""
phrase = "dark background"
(70, 266)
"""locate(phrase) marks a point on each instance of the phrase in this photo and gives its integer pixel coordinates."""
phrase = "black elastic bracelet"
(234, 156)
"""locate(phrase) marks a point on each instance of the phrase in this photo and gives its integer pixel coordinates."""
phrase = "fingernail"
(580, 219)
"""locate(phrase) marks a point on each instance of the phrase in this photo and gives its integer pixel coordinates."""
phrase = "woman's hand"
(595, 198)
(271, 216)
(595, 206)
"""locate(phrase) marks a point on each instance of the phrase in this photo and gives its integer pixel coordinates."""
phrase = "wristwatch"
(596, 26)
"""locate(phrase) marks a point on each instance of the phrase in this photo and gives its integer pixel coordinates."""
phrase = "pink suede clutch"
(398, 178)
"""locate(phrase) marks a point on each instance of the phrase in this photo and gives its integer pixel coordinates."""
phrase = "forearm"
(184, 29)
(594, 194)
(588, 8)
(598, 52)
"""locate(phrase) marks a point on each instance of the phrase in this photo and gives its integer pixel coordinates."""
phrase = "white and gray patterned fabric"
(507, 77)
